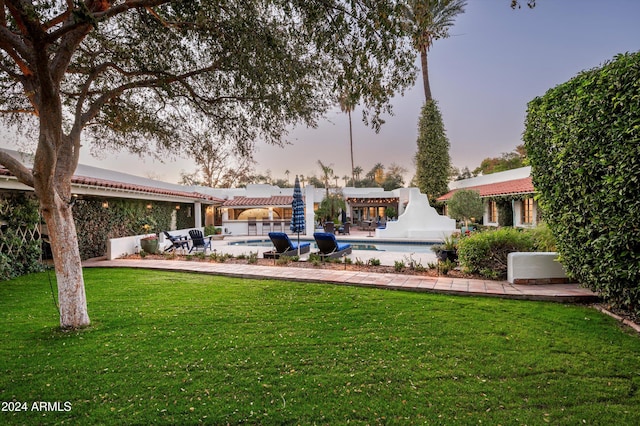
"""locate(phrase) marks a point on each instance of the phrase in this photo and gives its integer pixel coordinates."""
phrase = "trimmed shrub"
(583, 141)
(543, 239)
(485, 253)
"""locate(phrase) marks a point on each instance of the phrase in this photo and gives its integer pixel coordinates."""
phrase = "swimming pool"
(395, 246)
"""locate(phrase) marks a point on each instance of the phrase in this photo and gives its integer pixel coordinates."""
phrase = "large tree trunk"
(54, 164)
(68, 266)
(425, 74)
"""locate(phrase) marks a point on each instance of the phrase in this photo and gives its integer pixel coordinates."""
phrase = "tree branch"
(23, 174)
(167, 79)
(16, 49)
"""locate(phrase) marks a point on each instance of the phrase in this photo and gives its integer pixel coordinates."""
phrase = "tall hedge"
(583, 141)
(432, 159)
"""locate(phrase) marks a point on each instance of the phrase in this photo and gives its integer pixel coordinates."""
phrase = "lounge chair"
(177, 242)
(199, 241)
(284, 246)
(328, 247)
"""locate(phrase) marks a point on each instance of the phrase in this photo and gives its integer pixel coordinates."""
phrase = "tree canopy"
(507, 161)
(465, 204)
(135, 74)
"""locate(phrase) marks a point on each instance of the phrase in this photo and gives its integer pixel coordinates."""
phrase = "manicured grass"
(169, 348)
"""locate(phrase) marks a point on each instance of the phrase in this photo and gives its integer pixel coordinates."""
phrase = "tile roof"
(276, 200)
(124, 186)
(517, 186)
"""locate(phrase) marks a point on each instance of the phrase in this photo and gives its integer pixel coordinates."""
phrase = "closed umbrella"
(297, 214)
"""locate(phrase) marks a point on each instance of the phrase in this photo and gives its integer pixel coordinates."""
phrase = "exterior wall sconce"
(105, 204)
(177, 206)
(149, 206)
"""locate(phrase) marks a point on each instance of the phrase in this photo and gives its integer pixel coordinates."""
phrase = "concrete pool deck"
(386, 258)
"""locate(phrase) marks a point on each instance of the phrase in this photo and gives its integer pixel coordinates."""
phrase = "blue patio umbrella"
(297, 212)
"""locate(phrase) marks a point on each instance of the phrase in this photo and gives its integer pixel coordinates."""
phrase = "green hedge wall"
(95, 224)
(583, 141)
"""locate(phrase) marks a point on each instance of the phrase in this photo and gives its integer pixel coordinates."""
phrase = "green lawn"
(169, 348)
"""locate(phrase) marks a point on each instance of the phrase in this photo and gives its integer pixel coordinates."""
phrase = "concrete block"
(535, 268)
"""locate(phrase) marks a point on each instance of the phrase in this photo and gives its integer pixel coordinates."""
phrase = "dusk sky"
(496, 60)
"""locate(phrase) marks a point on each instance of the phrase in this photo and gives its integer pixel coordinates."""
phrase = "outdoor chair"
(328, 247)
(344, 229)
(329, 227)
(177, 242)
(284, 246)
(199, 241)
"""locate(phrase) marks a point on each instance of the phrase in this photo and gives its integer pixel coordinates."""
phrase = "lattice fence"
(24, 234)
(20, 250)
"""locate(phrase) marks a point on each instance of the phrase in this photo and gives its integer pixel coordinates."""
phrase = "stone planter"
(149, 245)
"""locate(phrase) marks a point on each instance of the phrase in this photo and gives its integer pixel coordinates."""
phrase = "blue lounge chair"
(328, 247)
(284, 246)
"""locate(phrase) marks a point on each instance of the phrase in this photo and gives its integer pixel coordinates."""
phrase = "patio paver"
(572, 293)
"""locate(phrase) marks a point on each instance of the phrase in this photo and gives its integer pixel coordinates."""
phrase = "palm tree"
(327, 172)
(347, 105)
(287, 172)
(378, 173)
(357, 172)
(430, 20)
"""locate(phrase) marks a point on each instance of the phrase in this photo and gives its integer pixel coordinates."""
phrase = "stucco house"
(97, 192)
(508, 197)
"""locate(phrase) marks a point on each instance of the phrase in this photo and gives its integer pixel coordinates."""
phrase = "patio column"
(197, 215)
(309, 219)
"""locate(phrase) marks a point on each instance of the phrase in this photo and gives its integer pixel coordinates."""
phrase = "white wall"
(119, 247)
(508, 175)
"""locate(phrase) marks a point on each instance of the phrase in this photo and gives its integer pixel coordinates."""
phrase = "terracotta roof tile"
(276, 200)
(517, 186)
(104, 183)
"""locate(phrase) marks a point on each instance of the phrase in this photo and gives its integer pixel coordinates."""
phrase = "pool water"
(412, 247)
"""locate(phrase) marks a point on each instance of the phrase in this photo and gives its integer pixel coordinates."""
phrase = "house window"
(527, 211)
(493, 212)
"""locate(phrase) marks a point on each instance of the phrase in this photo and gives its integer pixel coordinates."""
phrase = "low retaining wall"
(535, 268)
(119, 247)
